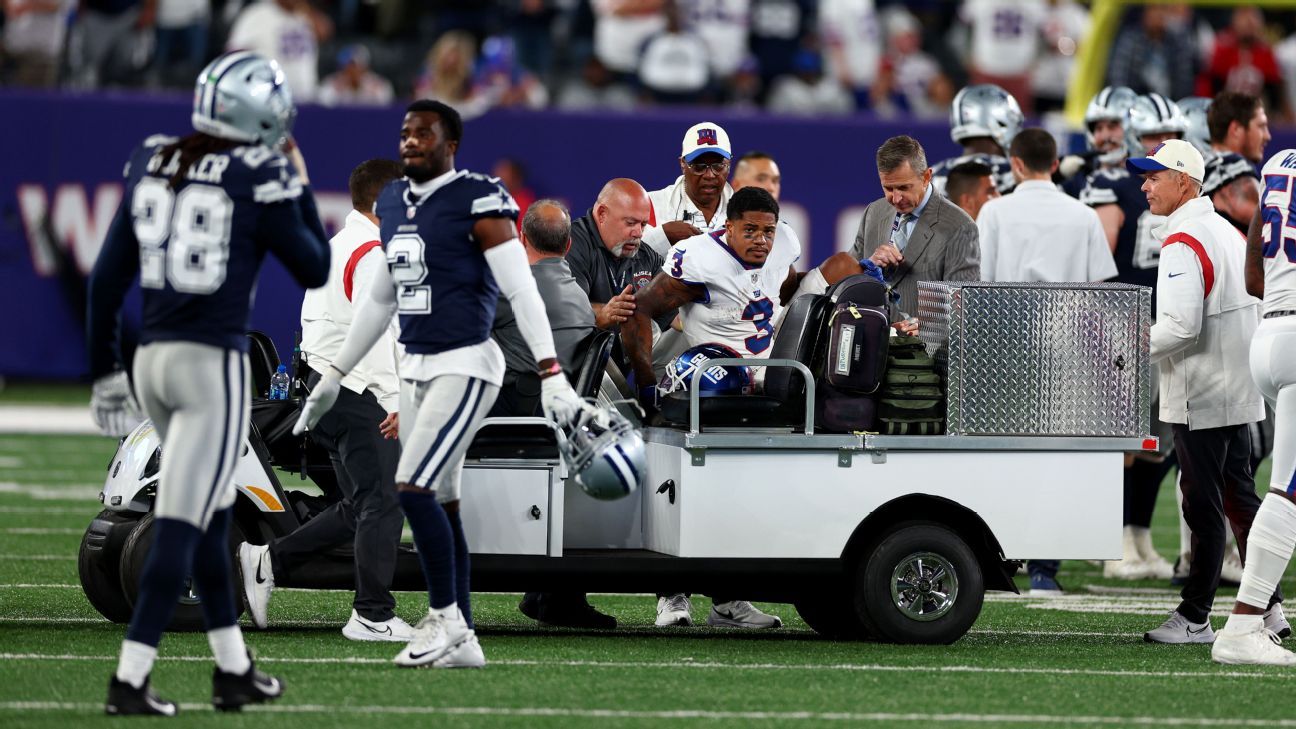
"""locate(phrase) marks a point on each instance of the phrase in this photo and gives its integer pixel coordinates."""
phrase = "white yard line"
(52, 419)
(38, 557)
(711, 665)
(41, 530)
(547, 711)
(85, 493)
(90, 509)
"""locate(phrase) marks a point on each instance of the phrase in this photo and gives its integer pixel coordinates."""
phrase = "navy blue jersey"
(1225, 167)
(1137, 252)
(198, 248)
(445, 291)
(1001, 167)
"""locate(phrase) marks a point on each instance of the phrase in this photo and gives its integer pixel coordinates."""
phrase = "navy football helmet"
(715, 379)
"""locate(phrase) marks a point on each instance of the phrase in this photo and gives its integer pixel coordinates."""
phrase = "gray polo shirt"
(570, 317)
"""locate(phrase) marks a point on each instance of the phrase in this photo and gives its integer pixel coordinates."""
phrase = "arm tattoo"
(661, 295)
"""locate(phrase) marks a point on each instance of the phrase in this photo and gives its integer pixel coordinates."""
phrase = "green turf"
(28, 392)
(1027, 662)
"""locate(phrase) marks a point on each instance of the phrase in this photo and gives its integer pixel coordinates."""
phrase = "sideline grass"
(1078, 660)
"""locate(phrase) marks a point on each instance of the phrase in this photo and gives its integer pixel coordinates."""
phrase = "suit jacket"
(942, 247)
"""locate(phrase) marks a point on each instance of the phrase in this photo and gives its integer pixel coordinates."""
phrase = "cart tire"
(921, 584)
(99, 563)
(188, 614)
(832, 615)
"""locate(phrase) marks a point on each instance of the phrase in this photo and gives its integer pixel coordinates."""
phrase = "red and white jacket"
(327, 311)
(1204, 321)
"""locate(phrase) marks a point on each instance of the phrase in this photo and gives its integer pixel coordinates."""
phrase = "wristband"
(551, 370)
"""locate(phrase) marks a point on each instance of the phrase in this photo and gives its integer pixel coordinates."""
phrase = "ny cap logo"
(1156, 149)
(707, 137)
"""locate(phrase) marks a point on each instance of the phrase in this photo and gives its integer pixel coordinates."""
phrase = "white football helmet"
(243, 96)
(1111, 104)
(1194, 109)
(1152, 114)
(985, 110)
(604, 453)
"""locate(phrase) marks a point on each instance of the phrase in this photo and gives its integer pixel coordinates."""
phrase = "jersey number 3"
(184, 239)
(409, 269)
(759, 312)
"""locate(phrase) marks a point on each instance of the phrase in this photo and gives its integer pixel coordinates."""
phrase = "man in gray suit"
(913, 233)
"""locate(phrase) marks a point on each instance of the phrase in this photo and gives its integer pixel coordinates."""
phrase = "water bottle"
(279, 384)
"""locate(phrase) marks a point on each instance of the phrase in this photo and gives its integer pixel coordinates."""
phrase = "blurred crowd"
(816, 57)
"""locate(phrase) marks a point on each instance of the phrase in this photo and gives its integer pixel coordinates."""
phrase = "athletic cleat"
(1276, 622)
(126, 700)
(1250, 647)
(1177, 629)
(565, 614)
(394, 630)
(741, 614)
(674, 610)
(258, 581)
(1181, 566)
(231, 691)
(1159, 567)
(468, 654)
(1129, 568)
(1231, 568)
(1041, 585)
(436, 635)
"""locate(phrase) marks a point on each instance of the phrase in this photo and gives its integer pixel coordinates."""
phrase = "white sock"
(1239, 623)
(1129, 545)
(228, 648)
(1143, 543)
(135, 662)
(1269, 549)
(812, 283)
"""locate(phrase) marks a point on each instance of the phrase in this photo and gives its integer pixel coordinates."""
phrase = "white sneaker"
(439, 632)
(1254, 646)
(394, 630)
(1177, 629)
(1127, 569)
(674, 610)
(1159, 567)
(1276, 622)
(741, 614)
(258, 581)
(467, 654)
(1231, 568)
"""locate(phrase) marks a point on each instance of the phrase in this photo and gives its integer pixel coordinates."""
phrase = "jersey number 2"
(184, 239)
(759, 312)
(409, 269)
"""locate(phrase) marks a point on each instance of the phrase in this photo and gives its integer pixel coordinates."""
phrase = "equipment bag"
(798, 337)
(856, 358)
(843, 412)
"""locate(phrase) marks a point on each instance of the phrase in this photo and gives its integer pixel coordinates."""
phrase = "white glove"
(113, 405)
(320, 401)
(1070, 165)
(560, 402)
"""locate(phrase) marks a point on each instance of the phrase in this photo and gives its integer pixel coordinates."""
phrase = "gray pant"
(368, 513)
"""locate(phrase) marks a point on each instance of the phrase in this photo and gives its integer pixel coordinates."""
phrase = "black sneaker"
(230, 691)
(126, 700)
(564, 611)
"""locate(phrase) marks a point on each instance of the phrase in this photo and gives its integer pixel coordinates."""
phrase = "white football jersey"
(741, 301)
(1278, 202)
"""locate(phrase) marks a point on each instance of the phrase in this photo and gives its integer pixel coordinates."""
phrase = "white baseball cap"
(1172, 154)
(703, 138)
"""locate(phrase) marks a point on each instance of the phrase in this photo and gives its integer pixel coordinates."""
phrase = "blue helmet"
(715, 379)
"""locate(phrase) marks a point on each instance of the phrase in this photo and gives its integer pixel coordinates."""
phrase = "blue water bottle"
(279, 384)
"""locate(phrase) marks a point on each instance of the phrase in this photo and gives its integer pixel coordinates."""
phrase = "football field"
(1078, 660)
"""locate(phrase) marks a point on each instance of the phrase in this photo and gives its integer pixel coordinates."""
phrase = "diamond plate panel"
(1041, 359)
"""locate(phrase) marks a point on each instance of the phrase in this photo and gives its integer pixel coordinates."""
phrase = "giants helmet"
(1194, 109)
(985, 110)
(604, 453)
(715, 379)
(1152, 114)
(243, 96)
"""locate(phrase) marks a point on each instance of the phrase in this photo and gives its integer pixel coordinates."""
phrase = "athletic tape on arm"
(508, 263)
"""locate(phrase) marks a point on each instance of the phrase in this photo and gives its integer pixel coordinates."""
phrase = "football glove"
(1071, 165)
(113, 405)
(320, 401)
(560, 402)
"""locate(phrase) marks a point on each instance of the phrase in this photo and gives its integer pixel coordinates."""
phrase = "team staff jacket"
(602, 275)
(327, 311)
(1205, 319)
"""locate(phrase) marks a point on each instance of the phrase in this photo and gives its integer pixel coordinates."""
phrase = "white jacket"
(673, 203)
(1204, 321)
(327, 311)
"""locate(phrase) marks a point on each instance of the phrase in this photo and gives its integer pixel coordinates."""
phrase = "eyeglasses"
(721, 168)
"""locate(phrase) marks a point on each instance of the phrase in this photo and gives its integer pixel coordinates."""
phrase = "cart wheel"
(832, 615)
(99, 563)
(188, 614)
(921, 584)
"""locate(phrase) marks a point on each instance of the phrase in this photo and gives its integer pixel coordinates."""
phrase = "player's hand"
(294, 155)
(906, 327)
(887, 255)
(113, 405)
(560, 402)
(1070, 166)
(678, 230)
(390, 426)
(320, 401)
(617, 309)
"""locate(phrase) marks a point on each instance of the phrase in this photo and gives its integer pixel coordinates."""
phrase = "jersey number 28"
(184, 239)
